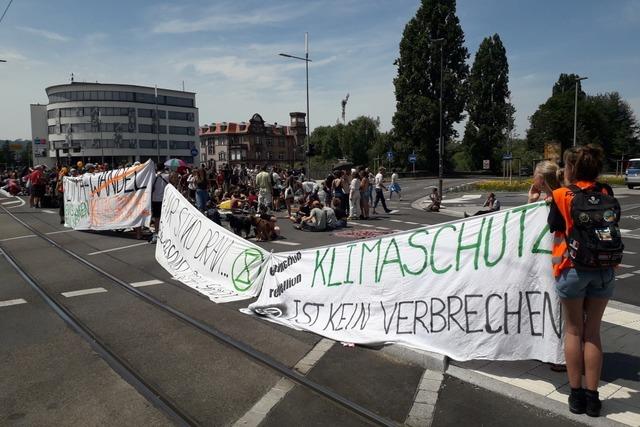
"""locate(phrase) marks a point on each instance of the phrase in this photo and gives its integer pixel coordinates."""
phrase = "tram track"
(129, 373)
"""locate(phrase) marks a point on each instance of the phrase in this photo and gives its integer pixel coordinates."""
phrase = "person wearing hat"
(89, 168)
(380, 187)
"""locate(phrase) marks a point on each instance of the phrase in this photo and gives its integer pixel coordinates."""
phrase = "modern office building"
(40, 135)
(117, 124)
(254, 143)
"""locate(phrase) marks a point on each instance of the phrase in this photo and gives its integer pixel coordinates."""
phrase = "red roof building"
(254, 143)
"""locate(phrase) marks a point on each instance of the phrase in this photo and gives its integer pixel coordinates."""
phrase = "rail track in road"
(175, 410)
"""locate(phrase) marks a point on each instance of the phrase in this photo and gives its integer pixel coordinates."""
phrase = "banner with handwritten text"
(478, 288)
(111, 200)
(205, 256)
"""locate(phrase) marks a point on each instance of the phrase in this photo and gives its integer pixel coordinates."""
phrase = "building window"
(258, 155)
(178, 115)
(222, 156)
(280, 156)
(269, 155)
(269, 141)
(181, 130)
(179, 145)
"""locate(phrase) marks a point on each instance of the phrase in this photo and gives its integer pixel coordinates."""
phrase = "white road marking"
(393, 211)
(60, 231)
(72, 294)
(629, 253)
(412, 223)
(382, 228)
(425, 225)
(286, 243)
(637, 271)
(16, 238)
(146, 283)
(624, 276)
(625, 230)
(11, 202)
(625, 266)
(47, 211)
(360, 224)
(117, 249)
(12, 302)
(259, 411)
(395, 220)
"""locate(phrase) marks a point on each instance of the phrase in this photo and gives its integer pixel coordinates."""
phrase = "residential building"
(254, 142)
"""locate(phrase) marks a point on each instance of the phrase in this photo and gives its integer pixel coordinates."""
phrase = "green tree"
(553, 121)
(490, 112)
(604, 119)
(417, 85)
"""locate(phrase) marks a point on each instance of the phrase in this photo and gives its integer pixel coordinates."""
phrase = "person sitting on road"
(435, 198)
(303, 211)
(336, 216)
(317, 219)
(212, 212)
(492, 203)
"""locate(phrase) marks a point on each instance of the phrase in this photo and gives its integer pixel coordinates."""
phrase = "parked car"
(632, 174)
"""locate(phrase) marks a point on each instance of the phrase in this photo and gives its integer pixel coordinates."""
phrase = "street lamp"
(306, 63)
(575, 113)
(440, 140)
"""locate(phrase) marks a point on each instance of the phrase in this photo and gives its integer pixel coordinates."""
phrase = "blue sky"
(227, 52)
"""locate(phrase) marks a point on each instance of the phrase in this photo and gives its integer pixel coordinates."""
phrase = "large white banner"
(205, 256)
(115, 199)
(478, 288)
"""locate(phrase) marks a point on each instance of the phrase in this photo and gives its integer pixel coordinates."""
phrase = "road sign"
(486, 164)
(508, 156)
(413, 158)
(194, 152)
(389, 155)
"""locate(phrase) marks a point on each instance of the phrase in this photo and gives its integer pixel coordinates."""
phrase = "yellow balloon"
(80, 164)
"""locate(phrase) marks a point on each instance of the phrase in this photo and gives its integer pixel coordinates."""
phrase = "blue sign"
(413, 158)
(389, 155)
(194, 152)
(507, 156)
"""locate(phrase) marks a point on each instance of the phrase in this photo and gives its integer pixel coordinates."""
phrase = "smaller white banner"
(111, 200)
(205, 256)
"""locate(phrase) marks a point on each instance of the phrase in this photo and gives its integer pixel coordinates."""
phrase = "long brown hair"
(586, 162)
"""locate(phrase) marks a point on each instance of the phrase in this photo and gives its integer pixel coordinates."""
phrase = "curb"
(425, 359)
(526, 397)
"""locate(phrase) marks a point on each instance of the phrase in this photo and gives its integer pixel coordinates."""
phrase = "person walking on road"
(380, 187)
(395, 186)
(365, 194)
(160, 181)
(584, 292)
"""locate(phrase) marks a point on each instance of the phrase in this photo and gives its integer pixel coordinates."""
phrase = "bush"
(612, 179)
(500, 185)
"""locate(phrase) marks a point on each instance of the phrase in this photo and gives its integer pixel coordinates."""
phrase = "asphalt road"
(51, 374)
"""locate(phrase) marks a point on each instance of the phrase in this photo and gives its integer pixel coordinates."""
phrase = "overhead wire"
(5, 10)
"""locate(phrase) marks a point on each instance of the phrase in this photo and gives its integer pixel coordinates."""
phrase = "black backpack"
(595, 241)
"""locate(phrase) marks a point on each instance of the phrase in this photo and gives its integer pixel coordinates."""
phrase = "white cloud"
(50, 35)
(222, 18)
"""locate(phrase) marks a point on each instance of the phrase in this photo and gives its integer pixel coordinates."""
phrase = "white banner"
(111, 200)
(205, 256)
(478, 288)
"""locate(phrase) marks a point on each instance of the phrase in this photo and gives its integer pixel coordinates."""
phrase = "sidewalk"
(619, 388)
(534, 383)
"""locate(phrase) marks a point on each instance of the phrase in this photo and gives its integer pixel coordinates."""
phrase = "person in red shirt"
(37, 186)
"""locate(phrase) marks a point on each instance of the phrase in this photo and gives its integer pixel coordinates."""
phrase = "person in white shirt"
(354, 195)
(395, 186)
(380, 187)
(160, 181)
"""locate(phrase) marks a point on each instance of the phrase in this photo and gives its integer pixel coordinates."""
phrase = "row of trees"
(433, 59)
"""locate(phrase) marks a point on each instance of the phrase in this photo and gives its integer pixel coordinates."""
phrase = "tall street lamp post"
(575, 112)
(440, 140)
(306, 63)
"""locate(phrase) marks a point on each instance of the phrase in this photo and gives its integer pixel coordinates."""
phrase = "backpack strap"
(574, 188)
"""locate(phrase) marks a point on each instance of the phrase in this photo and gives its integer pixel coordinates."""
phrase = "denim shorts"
(574, 283)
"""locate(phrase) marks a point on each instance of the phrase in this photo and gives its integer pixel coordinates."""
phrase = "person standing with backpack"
(584, 254)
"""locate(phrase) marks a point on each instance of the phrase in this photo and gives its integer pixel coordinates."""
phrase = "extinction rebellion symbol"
(242, 267)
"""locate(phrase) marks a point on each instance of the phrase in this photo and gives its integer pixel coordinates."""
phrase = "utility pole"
(440, 139)
(575, 113)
